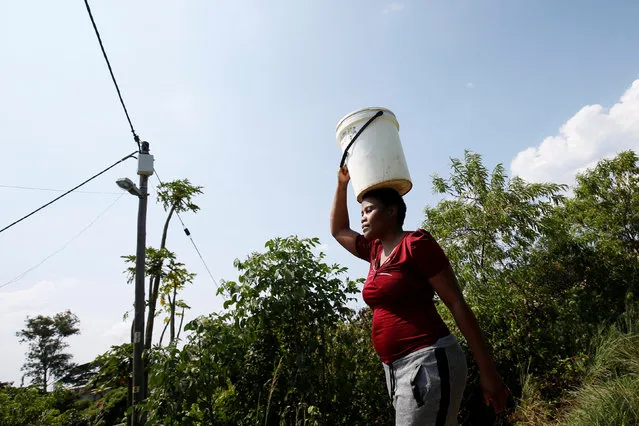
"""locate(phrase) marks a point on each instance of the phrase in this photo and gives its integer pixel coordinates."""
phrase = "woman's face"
(377, 219)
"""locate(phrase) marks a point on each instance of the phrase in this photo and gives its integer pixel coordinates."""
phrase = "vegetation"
(46, 359)
(610, 391)
(166, 275)
(550, 271)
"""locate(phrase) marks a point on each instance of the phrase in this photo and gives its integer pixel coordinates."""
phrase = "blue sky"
(243, 97)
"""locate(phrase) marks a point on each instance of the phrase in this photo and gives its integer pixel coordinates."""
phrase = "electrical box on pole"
(145, 164)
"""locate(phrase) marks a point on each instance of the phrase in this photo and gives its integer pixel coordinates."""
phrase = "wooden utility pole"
(145, 169)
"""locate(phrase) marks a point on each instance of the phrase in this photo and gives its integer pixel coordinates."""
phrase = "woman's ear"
(392, 211)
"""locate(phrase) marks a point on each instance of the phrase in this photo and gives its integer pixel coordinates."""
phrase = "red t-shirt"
(398, 292)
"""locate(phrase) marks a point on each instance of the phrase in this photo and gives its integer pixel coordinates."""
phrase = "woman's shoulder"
(419, 235)
(426, 252)
(420, 240)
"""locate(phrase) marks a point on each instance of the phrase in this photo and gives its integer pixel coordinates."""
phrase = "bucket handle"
(370, 120)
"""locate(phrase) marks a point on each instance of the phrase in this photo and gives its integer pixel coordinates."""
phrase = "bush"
(26, 406)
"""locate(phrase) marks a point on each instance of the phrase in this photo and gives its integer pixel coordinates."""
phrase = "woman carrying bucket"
(424, 365)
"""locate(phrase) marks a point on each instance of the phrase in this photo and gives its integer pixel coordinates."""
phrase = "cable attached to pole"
(136, 138)
(68, 192)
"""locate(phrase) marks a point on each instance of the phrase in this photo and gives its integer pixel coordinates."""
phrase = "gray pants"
(427, 386)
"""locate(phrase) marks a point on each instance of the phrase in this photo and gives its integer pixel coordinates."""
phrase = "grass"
(615, 402)
(608, 395)
(532, 409)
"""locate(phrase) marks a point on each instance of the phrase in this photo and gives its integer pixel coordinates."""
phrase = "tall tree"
(46, 359)
(176, 197)
(605, 208)
(604, 217)
(488, 221)
(488, 224)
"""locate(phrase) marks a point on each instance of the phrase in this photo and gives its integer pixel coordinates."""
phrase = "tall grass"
(532, 409)
(610, 391)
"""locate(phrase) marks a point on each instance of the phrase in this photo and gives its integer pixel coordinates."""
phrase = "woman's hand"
(494, 389)
(343, 176)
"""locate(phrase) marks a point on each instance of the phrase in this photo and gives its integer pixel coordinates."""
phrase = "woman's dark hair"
(389, 197)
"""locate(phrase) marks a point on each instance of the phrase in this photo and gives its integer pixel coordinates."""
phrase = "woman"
(424, 365)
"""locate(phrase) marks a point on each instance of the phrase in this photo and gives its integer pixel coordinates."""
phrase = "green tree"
(488, 222)
(604, 218)
(605, 208)
(46, 359)
(195, 384)
(113, 367)
(357, 386)
(176, 197)
(173, 277)
(288, 301)
(111, 385)
(79, 375)
(542, 271)
(273, 355)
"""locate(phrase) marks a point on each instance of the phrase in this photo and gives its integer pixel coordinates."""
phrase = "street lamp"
(128, 185)
(145, 169)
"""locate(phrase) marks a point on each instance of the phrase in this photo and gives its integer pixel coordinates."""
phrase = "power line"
(19, 277)
(188, 234)
(68, 192)
(56, 190)
(136, 138)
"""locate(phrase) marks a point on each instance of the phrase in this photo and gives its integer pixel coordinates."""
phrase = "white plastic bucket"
(376, 159)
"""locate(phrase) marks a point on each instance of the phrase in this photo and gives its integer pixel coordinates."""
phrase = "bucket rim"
(387, 112)
(402, 185)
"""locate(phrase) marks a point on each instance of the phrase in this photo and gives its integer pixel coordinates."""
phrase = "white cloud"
(394, 7)
(119, 332)
(591, 134)
(34, 299)
(470, 85)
